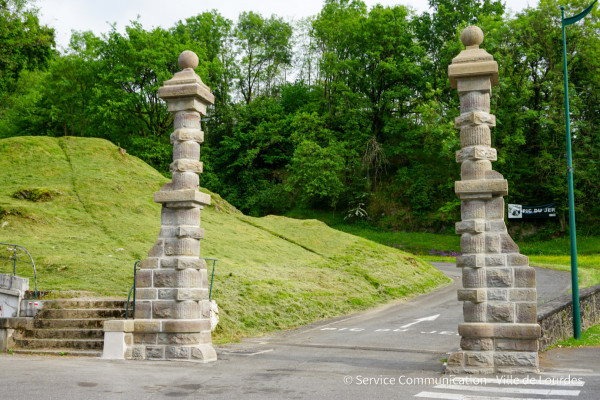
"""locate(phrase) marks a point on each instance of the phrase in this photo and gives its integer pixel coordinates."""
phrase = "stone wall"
(556, 316)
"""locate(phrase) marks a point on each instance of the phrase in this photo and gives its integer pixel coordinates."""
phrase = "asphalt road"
(393, 352)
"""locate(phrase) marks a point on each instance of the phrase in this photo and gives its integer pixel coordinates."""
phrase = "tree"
(24, 44)
(265, 48)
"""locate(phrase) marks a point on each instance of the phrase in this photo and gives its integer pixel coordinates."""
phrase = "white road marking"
(457, 396)
(546, 392)
(430, 318)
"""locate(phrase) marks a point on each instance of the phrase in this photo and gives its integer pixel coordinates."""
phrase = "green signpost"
(574, 279)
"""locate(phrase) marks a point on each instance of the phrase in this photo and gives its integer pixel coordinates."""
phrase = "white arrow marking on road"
(432, 318)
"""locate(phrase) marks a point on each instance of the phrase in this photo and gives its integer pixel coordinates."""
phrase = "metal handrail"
(212, 276)
(15, 260)
(136, 267)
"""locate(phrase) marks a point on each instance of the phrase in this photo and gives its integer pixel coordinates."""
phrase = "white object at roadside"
(214, 315)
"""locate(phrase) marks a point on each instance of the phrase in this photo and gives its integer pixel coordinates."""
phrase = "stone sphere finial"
(188, 59)
(471, 36)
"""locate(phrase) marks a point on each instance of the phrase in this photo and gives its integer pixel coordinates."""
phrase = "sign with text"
(519, 211)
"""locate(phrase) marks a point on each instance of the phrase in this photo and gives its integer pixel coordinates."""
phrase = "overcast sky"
(95, 15)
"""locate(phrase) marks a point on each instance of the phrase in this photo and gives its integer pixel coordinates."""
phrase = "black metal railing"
(14, 254)
(136, 267)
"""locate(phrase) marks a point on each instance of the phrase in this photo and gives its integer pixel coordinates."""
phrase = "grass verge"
(589, 338)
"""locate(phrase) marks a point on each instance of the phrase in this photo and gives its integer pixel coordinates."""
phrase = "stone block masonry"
(173, 309)
(500, 330)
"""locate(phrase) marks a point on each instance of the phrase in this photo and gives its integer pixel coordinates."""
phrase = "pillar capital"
(473, 62)
(186, 91)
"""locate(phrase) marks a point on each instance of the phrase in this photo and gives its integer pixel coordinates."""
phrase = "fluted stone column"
(500, 331)
(172, 308)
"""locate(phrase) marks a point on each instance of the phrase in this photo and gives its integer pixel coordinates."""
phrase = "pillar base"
(490, 362)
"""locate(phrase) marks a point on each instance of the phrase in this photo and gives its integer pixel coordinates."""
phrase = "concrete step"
(95, 334)
(75, 344)
(95, 313)
(59, 352)
(68, 323)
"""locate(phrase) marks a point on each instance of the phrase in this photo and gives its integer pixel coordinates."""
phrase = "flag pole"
(572, 231)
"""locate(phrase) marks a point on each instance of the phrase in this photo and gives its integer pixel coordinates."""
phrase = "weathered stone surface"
(476, 344)
(499, 277)
(495, 260)
(183, 263)
(494, 187)
(146, 326)
(470, 260)
(527, 313)
(494, 209)
(143, 278)
(524, 277)
(455, 359)
(473, 295)
(492, 243)
(180, 196)
(149, 263)
(185, 165)
(192, 135)
(478, 359)
(518, 260)
(518, 359)
(516, 345)
(474, 312)
(179, 338)
(470, 226)
(164, 278)
(183, 119)
(194, 325)
(476, 153)
(203, 353)
(529, 294)
(475, 169)
(497, 294)
(146, 294)
(177, 352)
(155, 352)
(475, 118)
(144, 338)
(501, 312)
(474, 277)
(118, 325)
(143, 309)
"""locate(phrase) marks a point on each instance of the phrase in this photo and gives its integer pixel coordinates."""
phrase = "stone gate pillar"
(500, 331)
(172, 308)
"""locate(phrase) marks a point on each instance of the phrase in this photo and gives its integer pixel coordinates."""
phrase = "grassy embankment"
(273, 272)
(553, 254)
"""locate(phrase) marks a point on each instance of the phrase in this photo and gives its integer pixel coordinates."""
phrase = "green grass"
(273, 272)
(553, 254)
(589, 338)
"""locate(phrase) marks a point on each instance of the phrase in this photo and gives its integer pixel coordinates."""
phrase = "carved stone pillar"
(172, 309)
(500, 331)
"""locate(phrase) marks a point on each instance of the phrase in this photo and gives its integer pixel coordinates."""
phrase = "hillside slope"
(272, 273)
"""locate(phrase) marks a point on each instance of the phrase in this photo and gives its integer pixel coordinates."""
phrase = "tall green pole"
(574, 278)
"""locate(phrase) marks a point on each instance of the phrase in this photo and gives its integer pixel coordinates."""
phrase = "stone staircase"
(68, 327)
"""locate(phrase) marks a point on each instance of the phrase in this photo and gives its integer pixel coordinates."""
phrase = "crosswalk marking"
(513, 390)
(458, 396)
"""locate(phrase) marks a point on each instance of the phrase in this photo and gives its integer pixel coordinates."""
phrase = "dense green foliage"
(350, 110)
